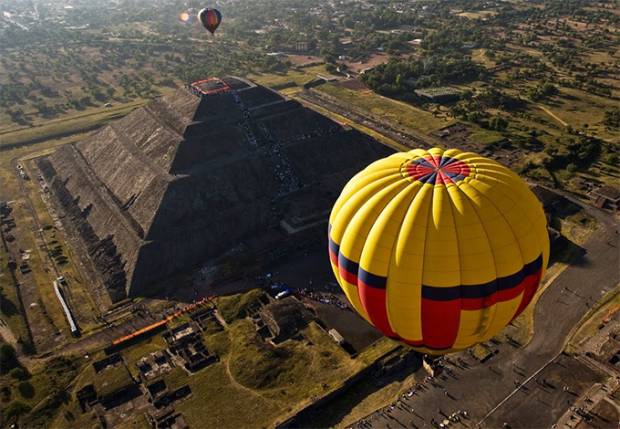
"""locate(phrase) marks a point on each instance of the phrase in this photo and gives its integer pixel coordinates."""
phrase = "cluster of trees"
(578, 152)
(612, 118)
(9, 365)
(542, 91)
(472, 110)
(454, 35)
(401, 77)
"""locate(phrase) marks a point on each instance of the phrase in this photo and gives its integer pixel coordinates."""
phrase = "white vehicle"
(283, 294)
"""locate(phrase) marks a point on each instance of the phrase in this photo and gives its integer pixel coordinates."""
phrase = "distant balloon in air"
(210, 19)
(438, 249)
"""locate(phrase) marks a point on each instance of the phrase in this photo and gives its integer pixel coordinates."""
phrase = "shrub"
(19, 374)
(8, 358)
(26, 389)
(15, 409)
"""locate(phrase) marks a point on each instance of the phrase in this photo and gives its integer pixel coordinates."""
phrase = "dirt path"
(7, 334)
(553, 115)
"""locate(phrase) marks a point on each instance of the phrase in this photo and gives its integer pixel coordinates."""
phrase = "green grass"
(218, 343)
(49, 382)
(577, 227)
(257, 365)
(577, 108)
(37, 262)
(80, 300)
(216, 403)
(376, 350)
(399, 113)
(486, 137)
(298, 77)
(177, 377)
(134, 353)
(112, 379)
(42, 272)
(235, 306)
(135, 421)
(66, 125)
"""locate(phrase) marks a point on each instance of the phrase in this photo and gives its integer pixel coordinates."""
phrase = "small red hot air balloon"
(210, 19)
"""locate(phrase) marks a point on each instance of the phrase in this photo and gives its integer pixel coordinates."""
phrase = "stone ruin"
(190, 175)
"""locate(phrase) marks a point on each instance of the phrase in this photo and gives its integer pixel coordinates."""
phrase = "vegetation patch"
(236, 306)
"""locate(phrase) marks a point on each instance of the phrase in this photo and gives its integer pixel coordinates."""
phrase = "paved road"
(480, 388)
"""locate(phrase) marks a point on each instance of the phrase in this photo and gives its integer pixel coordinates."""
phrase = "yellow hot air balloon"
(438, 249)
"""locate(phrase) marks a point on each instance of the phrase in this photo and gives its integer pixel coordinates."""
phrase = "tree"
(8, 358)
(498, 123)
(19, 374)
(26, 390)
(16, 409)
(612, 118)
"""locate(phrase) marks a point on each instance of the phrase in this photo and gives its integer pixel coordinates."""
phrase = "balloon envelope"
(438, 249)
(210, 19)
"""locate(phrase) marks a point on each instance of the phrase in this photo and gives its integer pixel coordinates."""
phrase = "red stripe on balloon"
(373, 300)
(440, 322)
(499, 296)
(530, 286)
(347, 276)
(334, 258)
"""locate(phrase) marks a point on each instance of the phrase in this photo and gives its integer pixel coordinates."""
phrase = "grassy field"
(579, 108)
(48, 383)
(66, 125)
(487, 137)
(296, 77)
(479, 56)
(235, 306)
(394, 111)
